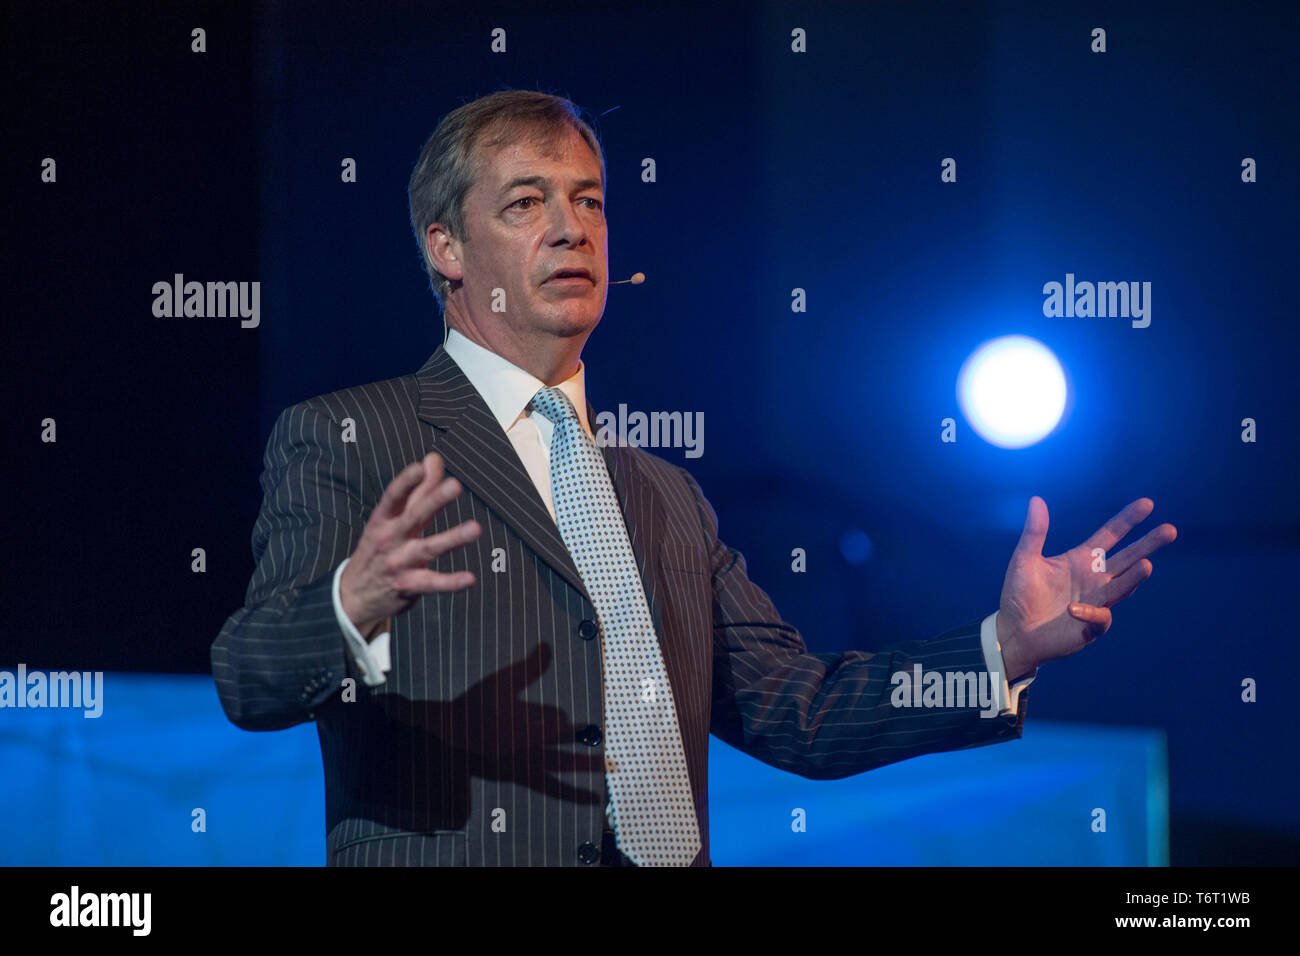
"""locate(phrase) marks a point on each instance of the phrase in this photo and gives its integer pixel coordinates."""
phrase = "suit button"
(587, 853)
(590, 735)
(588, 629)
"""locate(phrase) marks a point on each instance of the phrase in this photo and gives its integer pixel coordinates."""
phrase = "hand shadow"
(422, 779)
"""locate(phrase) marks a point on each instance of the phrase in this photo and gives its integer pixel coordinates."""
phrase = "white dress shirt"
(507, 390)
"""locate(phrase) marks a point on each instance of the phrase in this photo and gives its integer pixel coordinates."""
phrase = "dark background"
(775, 171)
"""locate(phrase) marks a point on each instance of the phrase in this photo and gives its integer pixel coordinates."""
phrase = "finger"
(1035, 530)
(1113, 531)
(415, 582)
(1117, 589)
(394, 497)
(418, 552)
(433, 473)
(1097, 618)
(422, 507)
(439, 544)
(1143, 547)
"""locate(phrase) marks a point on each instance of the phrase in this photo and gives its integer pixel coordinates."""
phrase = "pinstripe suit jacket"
(468, 753)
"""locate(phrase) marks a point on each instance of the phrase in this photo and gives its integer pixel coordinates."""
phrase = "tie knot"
(555, 405)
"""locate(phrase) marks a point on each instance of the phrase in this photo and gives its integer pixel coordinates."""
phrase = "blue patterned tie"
(654, 813)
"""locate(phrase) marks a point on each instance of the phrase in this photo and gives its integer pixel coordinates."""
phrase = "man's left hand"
(1054, 607)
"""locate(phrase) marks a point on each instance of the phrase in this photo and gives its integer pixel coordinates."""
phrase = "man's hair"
(451, 159)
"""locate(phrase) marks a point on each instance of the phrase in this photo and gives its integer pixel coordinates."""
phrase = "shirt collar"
(506, 388)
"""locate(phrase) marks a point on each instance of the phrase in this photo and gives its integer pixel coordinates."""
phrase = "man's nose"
(566, 226)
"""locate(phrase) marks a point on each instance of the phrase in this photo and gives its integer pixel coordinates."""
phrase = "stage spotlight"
(1012, 391)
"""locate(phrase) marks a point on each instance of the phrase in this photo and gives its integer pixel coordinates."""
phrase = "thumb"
(1035, 532)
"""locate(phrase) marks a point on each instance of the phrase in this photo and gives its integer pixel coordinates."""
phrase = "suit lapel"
(481, 457)
(479, 454)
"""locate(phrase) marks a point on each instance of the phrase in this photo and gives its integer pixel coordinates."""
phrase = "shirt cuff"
(997, 668)
(372, 657)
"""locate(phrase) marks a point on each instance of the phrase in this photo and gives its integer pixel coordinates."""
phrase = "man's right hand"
(389, 570)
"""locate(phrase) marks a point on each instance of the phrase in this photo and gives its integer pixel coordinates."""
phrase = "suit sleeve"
(827, 716)
(281, 659)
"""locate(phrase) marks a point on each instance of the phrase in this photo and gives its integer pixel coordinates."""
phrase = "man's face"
(527, 216)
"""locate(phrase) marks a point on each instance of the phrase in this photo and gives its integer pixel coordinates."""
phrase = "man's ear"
(444, 252)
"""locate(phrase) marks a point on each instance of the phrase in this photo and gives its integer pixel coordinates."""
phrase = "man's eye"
(599, 205)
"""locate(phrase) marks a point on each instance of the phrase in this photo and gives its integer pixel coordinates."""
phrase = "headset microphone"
(637, 279)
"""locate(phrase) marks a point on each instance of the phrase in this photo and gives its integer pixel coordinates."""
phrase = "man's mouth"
(571, 275)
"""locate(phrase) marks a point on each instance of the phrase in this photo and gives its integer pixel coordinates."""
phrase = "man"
(544, 693)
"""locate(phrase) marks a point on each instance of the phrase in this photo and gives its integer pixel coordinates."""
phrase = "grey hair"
(449, 165)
